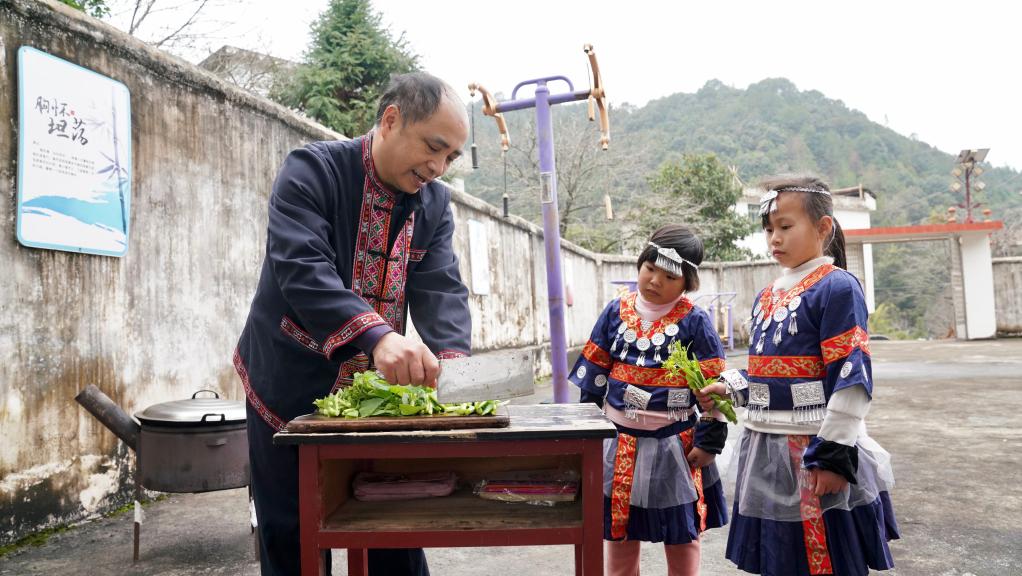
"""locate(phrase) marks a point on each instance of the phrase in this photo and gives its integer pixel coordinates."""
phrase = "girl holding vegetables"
(811, 493)
(660, 481)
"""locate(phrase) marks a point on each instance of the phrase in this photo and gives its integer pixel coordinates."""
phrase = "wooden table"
(565, 436)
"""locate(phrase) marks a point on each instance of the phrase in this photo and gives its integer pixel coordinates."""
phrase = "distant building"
(852, 207)
(249, 70)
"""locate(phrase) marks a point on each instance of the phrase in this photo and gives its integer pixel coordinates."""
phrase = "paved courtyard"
(947, 411)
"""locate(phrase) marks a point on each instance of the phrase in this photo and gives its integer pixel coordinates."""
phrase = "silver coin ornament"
(621, 328)
(757, 309)
(629, 336)
(759, 317)
(658, 339)
(646, 325)
(642, 344)
(795, 303)
(780, 314)
(766, 322)
(671, 330)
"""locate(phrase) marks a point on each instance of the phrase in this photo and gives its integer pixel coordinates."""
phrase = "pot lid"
(195, 411)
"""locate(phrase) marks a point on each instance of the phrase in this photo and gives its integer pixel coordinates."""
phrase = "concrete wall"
(1008, 295)
(156, 324)
(162, 322)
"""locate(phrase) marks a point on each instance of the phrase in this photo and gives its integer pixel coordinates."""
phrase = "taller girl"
(811, 494)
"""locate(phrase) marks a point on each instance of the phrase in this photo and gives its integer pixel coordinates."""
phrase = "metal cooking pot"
(193, 445)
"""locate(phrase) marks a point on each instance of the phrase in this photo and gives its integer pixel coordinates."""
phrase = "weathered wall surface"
(1008, 295)
(152, 326)
(162, 322)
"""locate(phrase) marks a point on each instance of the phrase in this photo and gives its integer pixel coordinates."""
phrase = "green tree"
(94, 8)
(346, 68)
(702, 182)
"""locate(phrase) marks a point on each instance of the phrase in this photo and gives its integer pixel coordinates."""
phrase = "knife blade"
(490, 376)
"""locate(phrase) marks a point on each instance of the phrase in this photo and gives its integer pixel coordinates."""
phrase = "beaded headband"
(668, 259)
(767, 202)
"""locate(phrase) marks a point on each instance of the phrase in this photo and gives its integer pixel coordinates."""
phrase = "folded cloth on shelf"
(378, 486)
(527, 491)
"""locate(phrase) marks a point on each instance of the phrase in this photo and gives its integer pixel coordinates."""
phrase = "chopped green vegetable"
(680, 364)
(371, 395)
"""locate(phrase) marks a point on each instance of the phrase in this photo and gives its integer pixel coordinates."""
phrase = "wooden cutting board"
(312, 423)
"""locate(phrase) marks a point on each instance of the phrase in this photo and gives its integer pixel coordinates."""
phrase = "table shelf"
(459, 511)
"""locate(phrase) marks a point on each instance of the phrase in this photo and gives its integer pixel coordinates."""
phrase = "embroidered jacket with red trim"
(345, 259)
(830, 343)
(601, 372)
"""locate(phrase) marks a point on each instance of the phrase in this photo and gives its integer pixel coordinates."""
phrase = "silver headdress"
(767, 203)
(668, 259)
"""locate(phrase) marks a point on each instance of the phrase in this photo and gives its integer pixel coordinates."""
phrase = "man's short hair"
(416, 94)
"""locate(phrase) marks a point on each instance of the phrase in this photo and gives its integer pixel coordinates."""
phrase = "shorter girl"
(811, 494)
(660, 483)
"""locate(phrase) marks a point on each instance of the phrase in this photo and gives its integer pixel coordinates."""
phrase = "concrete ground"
(947, 411)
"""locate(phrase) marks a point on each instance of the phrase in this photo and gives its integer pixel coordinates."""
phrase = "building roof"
(249, 70)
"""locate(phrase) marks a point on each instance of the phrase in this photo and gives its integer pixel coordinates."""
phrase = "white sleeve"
(845, 411)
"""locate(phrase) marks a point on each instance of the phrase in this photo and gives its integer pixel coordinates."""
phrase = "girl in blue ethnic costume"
(811, 495)
(660, 482)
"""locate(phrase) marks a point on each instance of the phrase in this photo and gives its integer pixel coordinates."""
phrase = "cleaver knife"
(488, 376)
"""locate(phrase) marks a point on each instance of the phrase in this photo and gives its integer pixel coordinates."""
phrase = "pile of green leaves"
(371, 395)
(679, 364)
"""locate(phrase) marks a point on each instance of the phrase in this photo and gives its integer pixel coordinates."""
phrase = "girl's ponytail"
(836, 248)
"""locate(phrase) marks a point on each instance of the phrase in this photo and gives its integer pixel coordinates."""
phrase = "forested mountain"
(768, 128)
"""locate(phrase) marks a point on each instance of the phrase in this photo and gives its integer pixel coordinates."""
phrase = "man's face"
(410, 155)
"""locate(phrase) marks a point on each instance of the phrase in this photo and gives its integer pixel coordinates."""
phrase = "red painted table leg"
(310, 511)
(592, 508)
(358, 562)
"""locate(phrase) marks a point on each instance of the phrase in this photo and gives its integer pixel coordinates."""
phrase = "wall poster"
(74, 157)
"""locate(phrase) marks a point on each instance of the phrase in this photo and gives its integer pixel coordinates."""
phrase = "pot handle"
(223, 417)
(214, 392)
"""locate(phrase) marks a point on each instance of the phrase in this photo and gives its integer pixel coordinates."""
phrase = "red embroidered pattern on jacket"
(268, 416)
(796, 290)
(380, 280)
(301, 336)
(711, 367)
(357, 363)
(621, 486)
(842, 345)
(593, 353)
(813, 529)
(787, 366)
(416, 255)
(353, 329)
(631, 374)
(632, 319)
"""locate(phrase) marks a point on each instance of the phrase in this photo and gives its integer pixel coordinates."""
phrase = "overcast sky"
(946, 72)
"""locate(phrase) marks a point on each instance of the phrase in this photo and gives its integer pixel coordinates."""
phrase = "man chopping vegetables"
(359, 232)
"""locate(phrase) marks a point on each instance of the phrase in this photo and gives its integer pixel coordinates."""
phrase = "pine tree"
(347, 66)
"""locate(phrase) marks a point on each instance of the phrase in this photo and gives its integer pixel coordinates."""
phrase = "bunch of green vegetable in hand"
(371, 395)
(680, 364)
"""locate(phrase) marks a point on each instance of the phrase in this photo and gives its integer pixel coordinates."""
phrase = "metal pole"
(968, 195)
(552, 243)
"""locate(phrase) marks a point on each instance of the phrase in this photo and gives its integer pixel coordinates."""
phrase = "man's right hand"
(404, 361)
